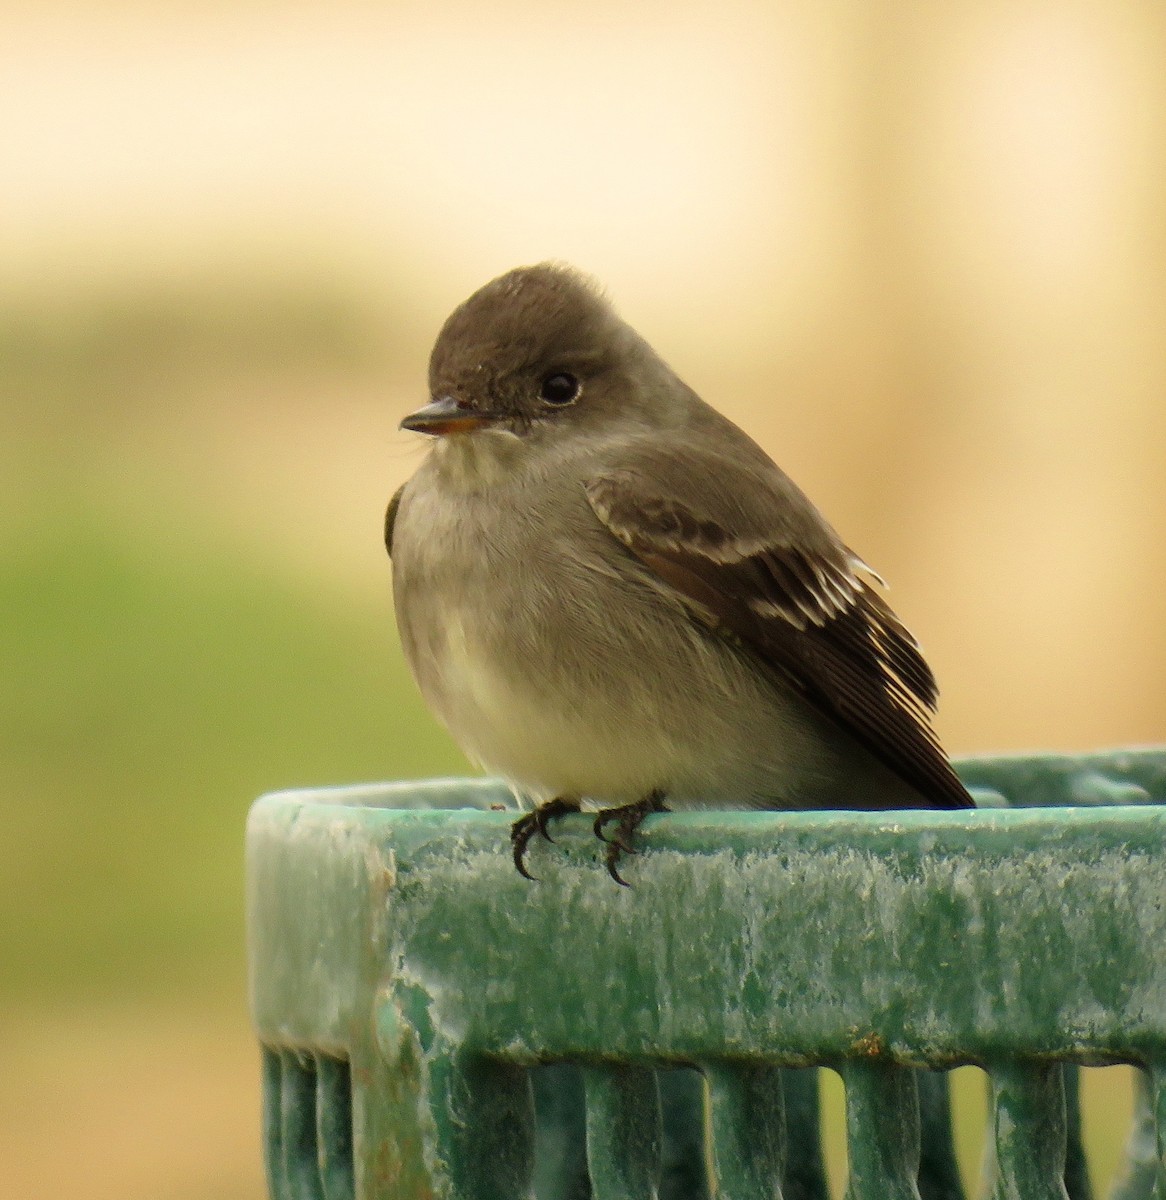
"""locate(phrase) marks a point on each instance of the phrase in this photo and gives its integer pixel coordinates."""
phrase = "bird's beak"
(445, 415)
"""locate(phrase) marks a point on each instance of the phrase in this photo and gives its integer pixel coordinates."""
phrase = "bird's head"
(536, 352)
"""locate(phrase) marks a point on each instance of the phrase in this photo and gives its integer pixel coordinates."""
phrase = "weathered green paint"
(932, 938)
(390, 931)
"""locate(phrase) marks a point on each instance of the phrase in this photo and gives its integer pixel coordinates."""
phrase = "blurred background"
(919, 251)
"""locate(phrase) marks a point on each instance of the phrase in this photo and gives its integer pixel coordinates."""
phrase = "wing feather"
(770, 573)
(391, 518)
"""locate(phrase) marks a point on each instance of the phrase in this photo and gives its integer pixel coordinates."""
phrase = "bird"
(613, 598)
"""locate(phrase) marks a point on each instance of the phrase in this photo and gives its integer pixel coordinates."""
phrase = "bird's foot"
(536, 822)
(627, 819)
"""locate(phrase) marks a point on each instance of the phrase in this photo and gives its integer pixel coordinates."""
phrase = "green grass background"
(161, 670)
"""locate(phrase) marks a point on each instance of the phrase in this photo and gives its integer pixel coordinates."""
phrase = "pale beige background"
(917, 252)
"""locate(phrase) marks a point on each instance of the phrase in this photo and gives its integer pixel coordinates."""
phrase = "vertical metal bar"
(273, 1124)
(298, 1118)
(1141, 1160)
(334, 1127)
(684, 1153)
(805, 1170)
(1077, 1183)
(392, 1140)
(483, 1115)
(1029, 1131)
(1158, 1105)
(560, 1148)
(747, 1111)
(429, 1120)
(623, 1132)
(882, 1131)
(939, 1173)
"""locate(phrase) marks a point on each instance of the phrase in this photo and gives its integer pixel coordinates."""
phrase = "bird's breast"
(507, 620)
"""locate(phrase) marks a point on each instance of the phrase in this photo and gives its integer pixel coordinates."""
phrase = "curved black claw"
(536, 822)
(628, 818)
(544, 812)
(520, 834)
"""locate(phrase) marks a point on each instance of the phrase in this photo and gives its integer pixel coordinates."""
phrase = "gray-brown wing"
(391, 517)
(759, 562)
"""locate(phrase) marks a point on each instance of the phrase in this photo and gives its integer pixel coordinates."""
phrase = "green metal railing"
(433, 1025)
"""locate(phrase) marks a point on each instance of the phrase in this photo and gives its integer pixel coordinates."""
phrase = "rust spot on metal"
(870, 1045)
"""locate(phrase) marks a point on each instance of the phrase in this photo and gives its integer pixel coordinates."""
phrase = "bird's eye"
(559, 388)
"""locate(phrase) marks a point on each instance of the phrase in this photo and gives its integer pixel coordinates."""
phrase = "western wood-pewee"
(612, 597)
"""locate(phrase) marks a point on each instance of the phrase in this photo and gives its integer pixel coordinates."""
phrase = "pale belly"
(704, 729)
(518, 721)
